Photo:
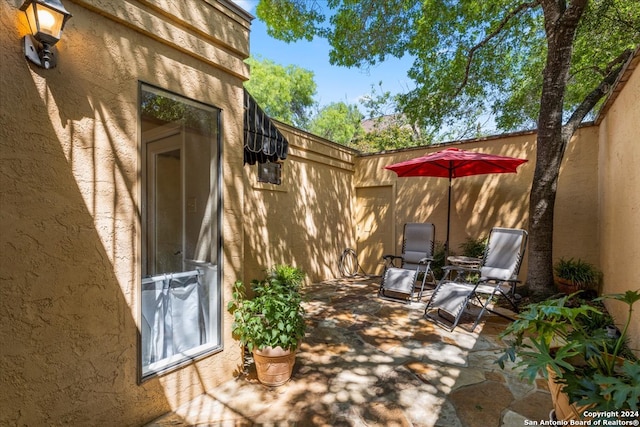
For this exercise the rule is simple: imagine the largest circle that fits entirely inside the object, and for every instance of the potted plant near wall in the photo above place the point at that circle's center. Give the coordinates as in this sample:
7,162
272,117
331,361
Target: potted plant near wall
572,275
590,371
474,248
271,324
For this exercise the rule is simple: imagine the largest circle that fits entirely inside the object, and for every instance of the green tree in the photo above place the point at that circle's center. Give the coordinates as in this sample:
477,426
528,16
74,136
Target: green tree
284,93
338,122
391,137
387,128
542,63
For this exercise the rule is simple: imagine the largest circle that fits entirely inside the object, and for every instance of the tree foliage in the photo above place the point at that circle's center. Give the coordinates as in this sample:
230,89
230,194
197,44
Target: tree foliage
285,93
538,63
338,122
390,137
466,54
387,128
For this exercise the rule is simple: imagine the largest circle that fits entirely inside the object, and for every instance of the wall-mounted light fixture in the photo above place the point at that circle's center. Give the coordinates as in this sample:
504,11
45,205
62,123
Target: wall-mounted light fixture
46,20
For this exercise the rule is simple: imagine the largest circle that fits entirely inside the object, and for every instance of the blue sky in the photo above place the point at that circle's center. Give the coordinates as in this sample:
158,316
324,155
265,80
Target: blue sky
334,84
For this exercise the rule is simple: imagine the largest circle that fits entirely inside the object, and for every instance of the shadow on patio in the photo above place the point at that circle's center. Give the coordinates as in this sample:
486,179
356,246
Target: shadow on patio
371,362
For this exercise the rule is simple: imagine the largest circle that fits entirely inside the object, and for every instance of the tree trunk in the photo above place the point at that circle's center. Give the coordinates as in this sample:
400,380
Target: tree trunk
560,27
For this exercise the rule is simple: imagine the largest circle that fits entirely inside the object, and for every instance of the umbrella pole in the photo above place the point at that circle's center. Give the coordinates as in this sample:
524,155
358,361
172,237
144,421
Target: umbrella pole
446,245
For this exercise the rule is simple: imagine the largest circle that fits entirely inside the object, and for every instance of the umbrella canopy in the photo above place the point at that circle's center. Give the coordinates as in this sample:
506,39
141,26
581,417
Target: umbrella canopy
455,163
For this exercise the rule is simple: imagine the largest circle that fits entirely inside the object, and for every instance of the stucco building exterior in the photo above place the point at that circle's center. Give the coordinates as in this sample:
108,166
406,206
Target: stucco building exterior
148,94
74,149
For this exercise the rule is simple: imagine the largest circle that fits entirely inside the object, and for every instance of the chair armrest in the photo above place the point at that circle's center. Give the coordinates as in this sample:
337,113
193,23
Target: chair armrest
487,279
390,260
425,260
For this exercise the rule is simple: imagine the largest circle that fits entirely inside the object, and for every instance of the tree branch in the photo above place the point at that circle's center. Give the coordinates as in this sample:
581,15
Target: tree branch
593,68
485,41
614,68
620,60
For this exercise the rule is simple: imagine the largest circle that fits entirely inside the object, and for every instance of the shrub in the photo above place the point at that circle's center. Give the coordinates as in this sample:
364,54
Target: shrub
274,316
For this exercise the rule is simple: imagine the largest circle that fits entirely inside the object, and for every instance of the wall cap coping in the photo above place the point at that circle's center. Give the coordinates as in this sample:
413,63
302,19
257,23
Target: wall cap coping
619,84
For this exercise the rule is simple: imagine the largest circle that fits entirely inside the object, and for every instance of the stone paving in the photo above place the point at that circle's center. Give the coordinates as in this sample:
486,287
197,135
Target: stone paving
370,362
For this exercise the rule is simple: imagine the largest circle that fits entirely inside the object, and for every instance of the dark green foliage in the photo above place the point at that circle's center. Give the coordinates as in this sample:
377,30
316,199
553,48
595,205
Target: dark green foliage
438,259
580,272
473,247
274,316
558,334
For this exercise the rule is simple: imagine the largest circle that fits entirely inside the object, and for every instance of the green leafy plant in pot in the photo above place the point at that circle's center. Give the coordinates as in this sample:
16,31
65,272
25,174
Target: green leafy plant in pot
566,341
474,247
271,324
572,275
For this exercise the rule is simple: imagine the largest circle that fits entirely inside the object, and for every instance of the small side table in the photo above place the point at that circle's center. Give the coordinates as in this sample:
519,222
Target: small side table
465,261
466,265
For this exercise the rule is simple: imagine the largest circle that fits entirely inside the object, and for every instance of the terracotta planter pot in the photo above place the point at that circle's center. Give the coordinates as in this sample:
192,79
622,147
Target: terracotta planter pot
274,365
565,286
565,411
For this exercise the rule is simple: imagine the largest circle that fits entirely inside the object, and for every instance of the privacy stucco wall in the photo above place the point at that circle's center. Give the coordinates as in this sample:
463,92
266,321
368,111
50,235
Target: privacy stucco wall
70,204
619,199
306,221
484,201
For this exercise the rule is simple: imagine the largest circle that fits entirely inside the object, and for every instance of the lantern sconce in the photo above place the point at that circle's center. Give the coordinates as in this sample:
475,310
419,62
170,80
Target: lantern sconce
47,19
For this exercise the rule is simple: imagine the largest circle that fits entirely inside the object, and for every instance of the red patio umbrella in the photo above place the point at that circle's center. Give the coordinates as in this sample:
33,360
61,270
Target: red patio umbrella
455,163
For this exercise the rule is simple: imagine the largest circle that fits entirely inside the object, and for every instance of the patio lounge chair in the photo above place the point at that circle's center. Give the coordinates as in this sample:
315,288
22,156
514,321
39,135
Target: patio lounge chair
406,273
498,273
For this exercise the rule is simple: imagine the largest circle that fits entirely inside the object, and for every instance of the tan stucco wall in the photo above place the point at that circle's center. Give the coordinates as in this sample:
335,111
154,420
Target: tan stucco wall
306,221
70,204
481,202
576,221
619,201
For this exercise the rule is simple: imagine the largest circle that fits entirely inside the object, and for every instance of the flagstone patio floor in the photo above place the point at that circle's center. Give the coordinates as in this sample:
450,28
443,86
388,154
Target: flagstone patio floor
371,362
